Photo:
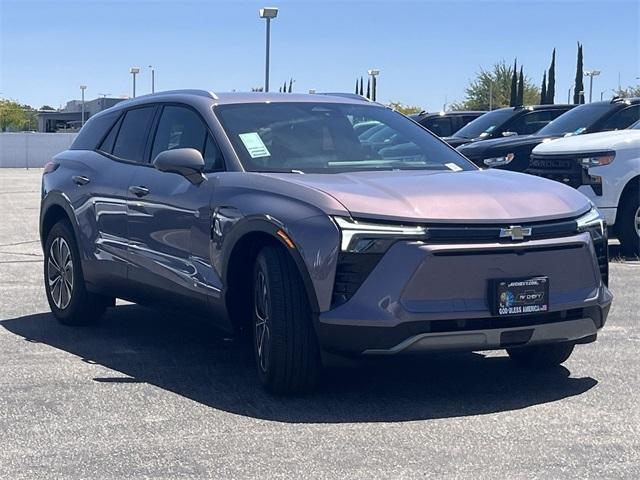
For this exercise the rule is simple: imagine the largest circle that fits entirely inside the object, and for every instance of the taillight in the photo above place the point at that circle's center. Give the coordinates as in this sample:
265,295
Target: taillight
50,167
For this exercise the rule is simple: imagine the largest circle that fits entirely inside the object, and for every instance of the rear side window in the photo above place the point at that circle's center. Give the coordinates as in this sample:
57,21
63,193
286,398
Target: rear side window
623,118
94,130
132,136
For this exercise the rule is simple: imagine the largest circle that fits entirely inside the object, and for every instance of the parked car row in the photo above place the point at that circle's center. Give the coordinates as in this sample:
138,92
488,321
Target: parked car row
614,189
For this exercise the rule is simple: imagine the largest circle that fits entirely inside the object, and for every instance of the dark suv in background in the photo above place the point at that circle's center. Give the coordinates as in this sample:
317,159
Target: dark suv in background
445,124
514,153
268,214
507,122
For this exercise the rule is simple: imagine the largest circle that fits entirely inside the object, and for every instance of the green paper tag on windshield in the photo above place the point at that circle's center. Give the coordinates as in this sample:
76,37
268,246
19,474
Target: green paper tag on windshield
254,145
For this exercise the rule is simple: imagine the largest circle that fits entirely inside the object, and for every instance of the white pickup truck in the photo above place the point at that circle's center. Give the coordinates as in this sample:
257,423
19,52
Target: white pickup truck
606,168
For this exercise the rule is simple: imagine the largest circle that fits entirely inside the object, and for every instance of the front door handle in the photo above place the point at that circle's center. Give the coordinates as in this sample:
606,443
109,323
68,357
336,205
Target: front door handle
80,179
139,191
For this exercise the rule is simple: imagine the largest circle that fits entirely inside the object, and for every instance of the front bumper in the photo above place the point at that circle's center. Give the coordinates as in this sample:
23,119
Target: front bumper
423,297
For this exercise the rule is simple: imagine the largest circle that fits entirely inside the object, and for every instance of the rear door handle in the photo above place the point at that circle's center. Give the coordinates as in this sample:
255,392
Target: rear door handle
139,191
80,179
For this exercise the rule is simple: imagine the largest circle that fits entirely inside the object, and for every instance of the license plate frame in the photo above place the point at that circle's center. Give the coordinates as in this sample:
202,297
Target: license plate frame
519,296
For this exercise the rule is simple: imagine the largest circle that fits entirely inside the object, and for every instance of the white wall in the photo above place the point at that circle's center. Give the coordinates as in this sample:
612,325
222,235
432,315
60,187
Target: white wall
30,149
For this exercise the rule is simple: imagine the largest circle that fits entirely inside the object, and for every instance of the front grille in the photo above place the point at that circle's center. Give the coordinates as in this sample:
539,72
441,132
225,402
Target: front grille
601,246
561,168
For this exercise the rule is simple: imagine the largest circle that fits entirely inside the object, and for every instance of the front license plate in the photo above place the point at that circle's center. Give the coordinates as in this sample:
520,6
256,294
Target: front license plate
520,296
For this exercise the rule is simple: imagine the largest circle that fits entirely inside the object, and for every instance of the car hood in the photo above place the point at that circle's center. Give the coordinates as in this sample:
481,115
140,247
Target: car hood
501,144
617,140
477,196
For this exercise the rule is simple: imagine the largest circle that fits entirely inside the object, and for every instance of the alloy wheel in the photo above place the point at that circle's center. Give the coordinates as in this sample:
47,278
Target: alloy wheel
262,333
637,221
60,273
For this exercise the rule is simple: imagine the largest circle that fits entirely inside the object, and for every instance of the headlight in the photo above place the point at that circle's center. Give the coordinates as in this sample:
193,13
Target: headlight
593,223
497,161
364,237
597,160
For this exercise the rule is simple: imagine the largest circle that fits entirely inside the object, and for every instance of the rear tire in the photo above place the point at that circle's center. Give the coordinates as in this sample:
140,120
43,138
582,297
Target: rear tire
628,222
69,300
541,356
284,342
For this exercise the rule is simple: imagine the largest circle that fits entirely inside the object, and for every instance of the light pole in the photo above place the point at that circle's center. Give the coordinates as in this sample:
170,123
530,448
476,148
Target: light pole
153,79
268,13
591,74
134,71
373,72
82,89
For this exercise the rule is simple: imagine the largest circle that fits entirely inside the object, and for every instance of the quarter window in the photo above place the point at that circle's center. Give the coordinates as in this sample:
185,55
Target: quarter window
132,136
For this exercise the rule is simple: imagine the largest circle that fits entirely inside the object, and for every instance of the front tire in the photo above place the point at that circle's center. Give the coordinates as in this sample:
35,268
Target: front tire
541,356
284,342
628,223
69,300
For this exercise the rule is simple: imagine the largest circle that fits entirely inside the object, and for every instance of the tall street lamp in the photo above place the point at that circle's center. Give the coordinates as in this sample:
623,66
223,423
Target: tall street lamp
373,72
153,79
268,13
82,89
591,74
134,71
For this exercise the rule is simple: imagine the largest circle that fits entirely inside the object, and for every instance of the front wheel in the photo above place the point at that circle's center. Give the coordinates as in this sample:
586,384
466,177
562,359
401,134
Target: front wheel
68,298
541,356
284,342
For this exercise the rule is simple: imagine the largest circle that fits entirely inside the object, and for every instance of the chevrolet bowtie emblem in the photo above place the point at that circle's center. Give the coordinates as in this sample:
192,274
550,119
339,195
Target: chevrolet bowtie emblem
515,232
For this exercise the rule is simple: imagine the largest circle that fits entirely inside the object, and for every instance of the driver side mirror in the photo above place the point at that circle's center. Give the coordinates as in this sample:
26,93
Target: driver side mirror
187,162
509,134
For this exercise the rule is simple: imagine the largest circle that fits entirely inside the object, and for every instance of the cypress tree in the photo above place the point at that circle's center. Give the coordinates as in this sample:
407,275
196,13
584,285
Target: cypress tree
373,88
284,87
361,87
579,86
521,88
356,92
514,86
551,80
544,99
290,85
369,88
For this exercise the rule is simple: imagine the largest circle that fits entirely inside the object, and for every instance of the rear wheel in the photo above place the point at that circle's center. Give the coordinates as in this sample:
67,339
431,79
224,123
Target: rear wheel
628,222
68,297
541,356
284,342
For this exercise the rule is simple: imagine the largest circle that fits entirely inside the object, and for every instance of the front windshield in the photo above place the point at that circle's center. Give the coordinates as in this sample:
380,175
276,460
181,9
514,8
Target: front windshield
635,126
576,120
485,124
307,137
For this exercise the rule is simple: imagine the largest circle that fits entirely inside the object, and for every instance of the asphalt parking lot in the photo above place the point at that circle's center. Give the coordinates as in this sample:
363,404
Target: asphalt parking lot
153,394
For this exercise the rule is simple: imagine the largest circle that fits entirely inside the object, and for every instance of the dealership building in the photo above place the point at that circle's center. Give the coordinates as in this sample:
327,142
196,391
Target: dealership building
69,119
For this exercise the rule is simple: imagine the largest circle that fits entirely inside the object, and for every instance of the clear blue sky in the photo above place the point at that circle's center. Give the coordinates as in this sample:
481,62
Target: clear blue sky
426,50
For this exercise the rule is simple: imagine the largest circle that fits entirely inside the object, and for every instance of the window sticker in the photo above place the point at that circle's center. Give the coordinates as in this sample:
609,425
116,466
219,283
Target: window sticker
254,145
453,166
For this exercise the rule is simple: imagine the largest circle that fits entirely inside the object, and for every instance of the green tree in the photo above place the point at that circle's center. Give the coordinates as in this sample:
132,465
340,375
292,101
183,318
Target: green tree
514,85
578,90
551,81
368,88
46,107
521,88
404,109
290,85
361,86
543,89
628,92
356,85
496,80
11,115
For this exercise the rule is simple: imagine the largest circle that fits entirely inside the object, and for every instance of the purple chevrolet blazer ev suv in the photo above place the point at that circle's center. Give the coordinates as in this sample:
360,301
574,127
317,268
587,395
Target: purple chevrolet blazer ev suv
278,218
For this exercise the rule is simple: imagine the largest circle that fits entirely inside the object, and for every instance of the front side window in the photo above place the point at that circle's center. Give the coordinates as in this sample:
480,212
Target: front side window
132,135
320,138
441,126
